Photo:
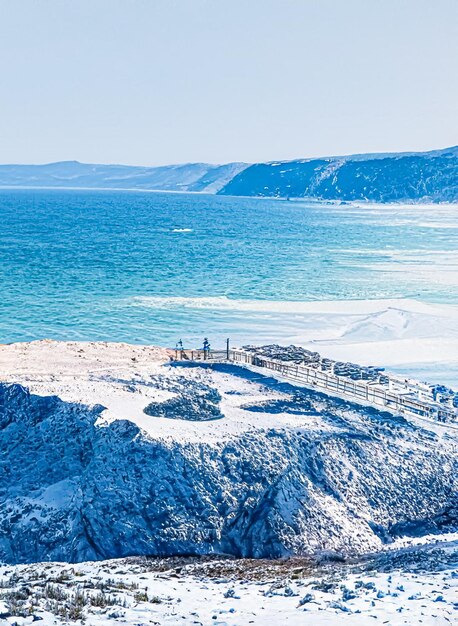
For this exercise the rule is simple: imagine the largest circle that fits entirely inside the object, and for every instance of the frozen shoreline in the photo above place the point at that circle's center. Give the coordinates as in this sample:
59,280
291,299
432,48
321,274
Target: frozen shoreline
410,337
415,338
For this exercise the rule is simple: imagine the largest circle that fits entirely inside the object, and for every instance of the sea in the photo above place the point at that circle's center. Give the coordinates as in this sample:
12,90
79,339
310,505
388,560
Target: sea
150,267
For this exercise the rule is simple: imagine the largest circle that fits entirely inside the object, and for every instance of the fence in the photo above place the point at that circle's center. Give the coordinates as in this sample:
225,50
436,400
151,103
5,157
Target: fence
202,355
358,391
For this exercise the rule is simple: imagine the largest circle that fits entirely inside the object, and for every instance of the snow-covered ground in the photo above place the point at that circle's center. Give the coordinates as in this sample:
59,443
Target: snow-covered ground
396,588
124,379
135,456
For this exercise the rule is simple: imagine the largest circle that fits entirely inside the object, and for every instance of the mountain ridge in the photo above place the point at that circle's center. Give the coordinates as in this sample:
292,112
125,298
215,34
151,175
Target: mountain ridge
393,177
182,177
376,177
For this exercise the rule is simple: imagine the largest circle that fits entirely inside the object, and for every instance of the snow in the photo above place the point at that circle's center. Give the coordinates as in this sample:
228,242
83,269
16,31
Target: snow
418,589
101,471
86,475
75,373
58,495
385,333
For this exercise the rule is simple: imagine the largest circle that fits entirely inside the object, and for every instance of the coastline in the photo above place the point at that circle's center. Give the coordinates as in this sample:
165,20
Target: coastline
411,337
406,334
420,203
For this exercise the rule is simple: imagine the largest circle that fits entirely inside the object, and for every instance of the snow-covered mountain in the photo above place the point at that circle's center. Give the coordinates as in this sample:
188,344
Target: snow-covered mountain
421,176
187,177
108,451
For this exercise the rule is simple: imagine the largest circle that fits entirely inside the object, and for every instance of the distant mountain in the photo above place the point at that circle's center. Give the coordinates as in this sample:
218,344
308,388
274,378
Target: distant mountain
411,176
417,176
187,177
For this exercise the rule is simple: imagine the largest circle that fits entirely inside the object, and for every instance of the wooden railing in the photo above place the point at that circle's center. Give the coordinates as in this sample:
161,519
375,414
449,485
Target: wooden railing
201,355
311,377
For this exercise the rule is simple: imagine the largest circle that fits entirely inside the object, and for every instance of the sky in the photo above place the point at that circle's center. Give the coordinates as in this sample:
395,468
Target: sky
153,82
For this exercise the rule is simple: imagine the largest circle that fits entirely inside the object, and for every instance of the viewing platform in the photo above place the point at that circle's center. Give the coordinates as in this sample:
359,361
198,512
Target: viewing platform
369,386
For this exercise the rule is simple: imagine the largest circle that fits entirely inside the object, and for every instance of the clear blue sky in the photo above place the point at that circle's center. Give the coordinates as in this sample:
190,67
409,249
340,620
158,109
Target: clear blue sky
165,81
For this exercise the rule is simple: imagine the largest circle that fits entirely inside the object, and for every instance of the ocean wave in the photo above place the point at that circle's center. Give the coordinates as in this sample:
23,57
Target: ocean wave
337,307
445,273
396,252
182,230
452,225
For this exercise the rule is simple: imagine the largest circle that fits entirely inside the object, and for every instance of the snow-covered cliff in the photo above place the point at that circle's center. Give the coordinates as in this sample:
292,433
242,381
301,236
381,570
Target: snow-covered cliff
415,177
91,475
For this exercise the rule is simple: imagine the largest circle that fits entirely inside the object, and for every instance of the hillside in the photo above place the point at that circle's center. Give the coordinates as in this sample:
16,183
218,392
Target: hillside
407,584
187,177
427,176
109,452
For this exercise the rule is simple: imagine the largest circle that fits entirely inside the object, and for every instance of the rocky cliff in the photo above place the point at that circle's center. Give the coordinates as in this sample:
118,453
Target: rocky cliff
275,471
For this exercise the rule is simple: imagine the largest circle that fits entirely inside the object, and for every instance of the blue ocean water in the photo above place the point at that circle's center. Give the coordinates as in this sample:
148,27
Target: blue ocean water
153,267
